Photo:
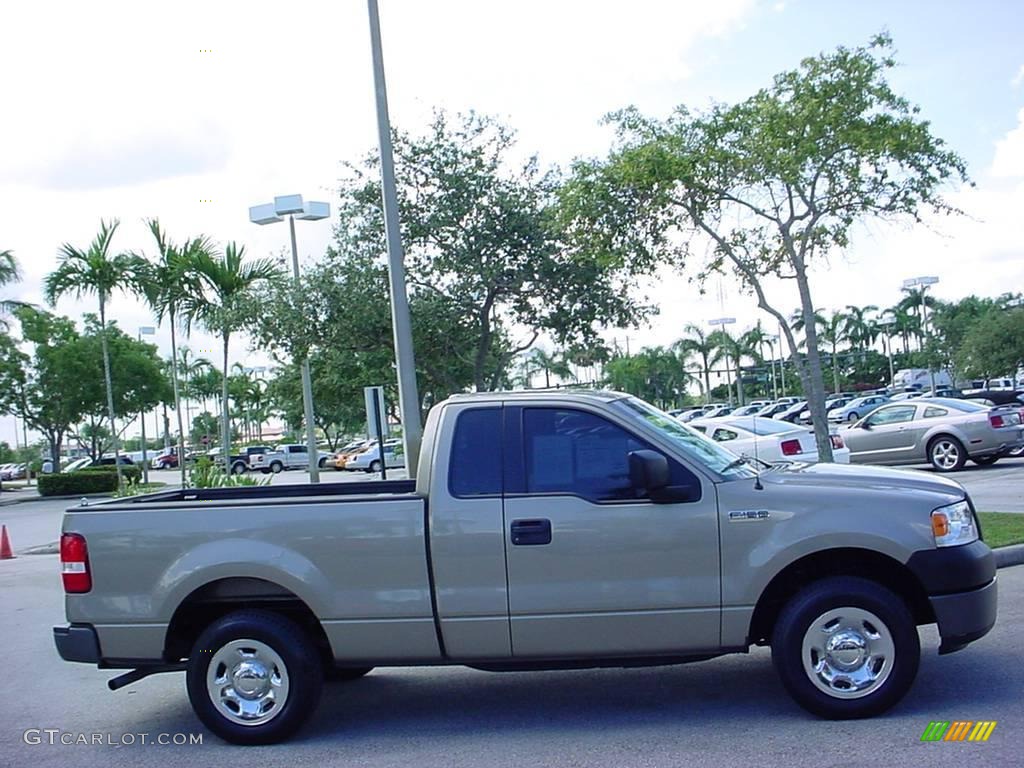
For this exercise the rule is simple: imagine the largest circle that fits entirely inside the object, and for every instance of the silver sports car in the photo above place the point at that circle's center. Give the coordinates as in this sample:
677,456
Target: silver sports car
943,432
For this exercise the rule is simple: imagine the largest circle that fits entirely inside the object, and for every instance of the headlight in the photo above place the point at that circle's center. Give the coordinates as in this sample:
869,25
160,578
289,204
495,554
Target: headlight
954,525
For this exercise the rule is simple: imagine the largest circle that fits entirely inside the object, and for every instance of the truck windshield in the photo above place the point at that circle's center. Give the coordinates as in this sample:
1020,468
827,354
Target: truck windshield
694,445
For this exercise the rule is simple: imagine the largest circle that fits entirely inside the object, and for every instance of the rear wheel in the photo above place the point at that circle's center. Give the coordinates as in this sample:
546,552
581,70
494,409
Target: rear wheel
253,677
985,461
947,454
846,647
238,468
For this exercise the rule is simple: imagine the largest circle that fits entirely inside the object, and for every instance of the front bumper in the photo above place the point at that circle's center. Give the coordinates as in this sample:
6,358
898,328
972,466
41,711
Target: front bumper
962,589
965,616
77,642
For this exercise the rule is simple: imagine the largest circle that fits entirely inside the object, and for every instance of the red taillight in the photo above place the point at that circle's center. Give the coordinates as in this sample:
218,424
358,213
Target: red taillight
995,420
791,447
74,563
837,441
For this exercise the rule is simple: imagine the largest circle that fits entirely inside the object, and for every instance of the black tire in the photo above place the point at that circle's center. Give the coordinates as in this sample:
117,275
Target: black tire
375,466
238,468
302,667
341,674
276,467
852,417
322,463
844,593
944,447
1015,452
986,461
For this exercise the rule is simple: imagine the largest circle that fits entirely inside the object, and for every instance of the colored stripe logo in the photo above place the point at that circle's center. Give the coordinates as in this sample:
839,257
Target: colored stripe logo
958,730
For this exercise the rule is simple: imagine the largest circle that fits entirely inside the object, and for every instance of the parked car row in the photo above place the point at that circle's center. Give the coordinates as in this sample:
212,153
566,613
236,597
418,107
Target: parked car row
365,455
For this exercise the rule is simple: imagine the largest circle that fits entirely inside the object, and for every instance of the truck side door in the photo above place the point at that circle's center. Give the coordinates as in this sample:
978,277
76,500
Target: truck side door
594,568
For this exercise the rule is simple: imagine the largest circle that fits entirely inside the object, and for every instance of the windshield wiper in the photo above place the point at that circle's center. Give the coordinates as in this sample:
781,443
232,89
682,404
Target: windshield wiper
735,463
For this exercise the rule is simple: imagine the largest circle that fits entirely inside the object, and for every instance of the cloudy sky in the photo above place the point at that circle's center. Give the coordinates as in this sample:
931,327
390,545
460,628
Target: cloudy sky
193,111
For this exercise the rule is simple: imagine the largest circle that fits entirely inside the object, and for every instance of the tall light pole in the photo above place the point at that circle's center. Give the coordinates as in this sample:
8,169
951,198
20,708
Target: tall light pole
724,321
145,330
886,324
408,397
923,283
271,213
771,347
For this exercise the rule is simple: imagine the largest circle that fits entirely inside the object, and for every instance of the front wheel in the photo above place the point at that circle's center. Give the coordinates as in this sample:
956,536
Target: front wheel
846,647
852,417
253,677
947,454
276,467
374,466
322,463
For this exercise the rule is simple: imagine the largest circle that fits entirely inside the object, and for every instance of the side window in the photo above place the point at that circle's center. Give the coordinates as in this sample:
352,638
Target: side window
476,460
575,452
700,428
298,449
723,435
897,415
931,412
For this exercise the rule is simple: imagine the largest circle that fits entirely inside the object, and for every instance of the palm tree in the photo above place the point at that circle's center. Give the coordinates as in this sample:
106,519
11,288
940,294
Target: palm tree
911,303
96,271
10,272
223,306
733,349
861,330
165,283
698,343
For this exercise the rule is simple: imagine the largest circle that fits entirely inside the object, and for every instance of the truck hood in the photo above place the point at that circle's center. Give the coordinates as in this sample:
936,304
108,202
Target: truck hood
835,478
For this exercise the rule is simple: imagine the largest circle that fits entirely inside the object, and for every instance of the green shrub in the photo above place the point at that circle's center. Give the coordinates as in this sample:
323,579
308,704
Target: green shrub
75,483
130,472
205,474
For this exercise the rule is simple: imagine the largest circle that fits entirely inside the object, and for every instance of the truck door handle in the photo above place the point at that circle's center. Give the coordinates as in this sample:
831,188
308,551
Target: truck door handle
531,532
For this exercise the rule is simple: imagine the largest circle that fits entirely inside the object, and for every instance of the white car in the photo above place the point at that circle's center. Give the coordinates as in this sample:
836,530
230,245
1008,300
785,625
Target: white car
769,440
369,460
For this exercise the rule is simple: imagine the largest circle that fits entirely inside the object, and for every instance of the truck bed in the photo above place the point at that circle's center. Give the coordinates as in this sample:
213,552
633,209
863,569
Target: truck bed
355,554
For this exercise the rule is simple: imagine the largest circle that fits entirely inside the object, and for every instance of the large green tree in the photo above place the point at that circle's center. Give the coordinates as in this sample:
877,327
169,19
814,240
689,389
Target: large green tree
52,387
774,183
483,238
994,345
96,270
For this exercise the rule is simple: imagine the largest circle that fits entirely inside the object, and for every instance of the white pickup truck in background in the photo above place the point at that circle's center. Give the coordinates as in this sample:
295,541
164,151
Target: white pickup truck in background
288,456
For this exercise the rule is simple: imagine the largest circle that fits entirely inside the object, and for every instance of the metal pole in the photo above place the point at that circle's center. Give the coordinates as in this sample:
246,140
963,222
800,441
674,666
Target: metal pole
924,335
142,421
307,382
408,397
379,426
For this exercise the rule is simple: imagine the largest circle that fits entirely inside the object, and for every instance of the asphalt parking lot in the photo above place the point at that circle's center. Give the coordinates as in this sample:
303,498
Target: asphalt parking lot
730,711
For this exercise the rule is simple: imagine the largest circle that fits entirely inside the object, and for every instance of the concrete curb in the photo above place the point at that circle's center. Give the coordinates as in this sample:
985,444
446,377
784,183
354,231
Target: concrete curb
1008,556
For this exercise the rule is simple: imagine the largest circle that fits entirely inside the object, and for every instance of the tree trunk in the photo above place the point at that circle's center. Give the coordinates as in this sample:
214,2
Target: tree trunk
835,369
110,387
226,431
810,374
177,403
707,380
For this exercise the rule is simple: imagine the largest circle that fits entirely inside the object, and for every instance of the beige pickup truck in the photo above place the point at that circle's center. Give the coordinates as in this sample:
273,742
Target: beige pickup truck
543,530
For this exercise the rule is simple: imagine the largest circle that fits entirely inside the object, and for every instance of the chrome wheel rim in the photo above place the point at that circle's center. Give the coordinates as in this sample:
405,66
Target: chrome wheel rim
247,682
848,652
946,454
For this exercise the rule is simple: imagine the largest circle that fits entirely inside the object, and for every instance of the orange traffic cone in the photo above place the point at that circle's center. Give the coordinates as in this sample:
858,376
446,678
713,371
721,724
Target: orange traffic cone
5,545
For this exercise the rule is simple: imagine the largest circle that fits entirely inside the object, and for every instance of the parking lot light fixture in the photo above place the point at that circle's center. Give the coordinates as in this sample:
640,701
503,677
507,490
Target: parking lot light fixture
145,330
294,207
923,283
